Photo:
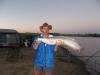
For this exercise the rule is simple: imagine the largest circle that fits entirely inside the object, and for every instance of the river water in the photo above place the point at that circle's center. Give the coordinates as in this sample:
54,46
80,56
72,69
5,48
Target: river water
91,53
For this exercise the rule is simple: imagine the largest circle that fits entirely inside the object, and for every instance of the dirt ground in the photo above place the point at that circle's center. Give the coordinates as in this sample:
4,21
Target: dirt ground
24,66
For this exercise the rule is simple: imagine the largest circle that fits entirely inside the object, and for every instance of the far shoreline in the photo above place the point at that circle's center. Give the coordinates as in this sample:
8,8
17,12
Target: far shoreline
60,34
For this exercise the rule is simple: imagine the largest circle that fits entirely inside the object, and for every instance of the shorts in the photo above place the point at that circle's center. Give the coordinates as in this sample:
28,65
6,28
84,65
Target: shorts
43,69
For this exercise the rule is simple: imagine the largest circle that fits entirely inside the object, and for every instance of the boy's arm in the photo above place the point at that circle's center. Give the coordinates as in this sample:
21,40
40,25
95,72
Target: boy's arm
35,46
56,48
58,44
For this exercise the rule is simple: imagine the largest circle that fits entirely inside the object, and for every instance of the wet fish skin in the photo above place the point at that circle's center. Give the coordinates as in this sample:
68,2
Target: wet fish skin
72,43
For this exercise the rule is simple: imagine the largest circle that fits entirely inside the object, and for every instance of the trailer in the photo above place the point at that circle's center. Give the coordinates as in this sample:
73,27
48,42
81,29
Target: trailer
10,43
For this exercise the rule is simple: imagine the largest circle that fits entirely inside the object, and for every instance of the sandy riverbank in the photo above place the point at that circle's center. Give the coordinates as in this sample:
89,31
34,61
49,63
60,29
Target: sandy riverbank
25,65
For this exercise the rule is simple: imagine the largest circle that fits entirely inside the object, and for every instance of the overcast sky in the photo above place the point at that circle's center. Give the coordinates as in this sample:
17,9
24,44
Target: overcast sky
66,16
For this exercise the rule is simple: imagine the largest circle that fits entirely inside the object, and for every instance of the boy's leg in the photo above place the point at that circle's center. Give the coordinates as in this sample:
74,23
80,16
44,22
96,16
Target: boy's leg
48,71
38,73
48,74
37,70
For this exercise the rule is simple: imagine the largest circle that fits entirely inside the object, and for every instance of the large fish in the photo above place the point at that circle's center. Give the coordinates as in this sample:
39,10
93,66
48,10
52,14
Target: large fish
72,43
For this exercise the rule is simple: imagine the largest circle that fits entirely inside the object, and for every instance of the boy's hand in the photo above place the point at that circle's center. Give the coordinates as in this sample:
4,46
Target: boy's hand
38,42
58,43
35,46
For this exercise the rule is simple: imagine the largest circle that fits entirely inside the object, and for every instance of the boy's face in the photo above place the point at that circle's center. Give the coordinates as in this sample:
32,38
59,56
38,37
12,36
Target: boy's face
45,30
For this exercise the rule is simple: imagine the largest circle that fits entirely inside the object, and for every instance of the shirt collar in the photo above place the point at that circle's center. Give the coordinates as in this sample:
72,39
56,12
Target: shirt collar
48,35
